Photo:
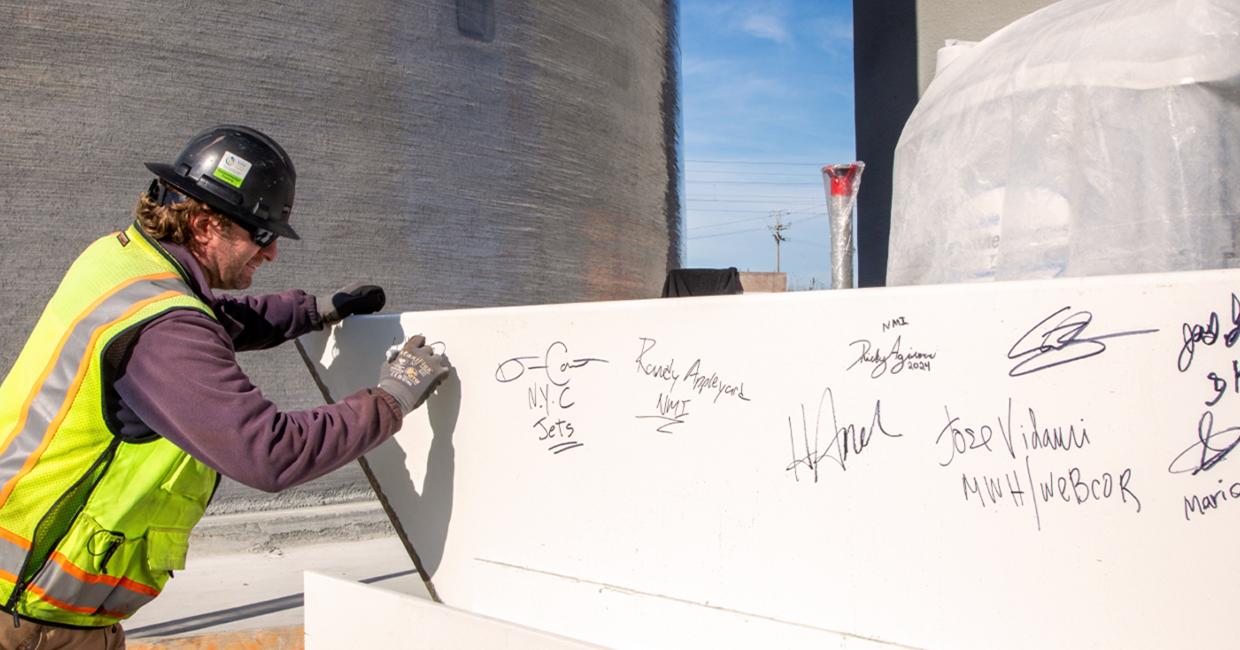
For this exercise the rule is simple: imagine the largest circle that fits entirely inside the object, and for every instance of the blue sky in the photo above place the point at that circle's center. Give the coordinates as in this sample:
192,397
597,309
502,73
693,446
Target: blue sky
768,100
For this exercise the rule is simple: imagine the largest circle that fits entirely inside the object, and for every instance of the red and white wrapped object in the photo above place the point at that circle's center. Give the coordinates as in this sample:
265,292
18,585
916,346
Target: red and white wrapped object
842,182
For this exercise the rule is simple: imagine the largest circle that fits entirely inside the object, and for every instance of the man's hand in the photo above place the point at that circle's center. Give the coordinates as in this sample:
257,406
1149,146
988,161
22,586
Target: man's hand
356,298
412,372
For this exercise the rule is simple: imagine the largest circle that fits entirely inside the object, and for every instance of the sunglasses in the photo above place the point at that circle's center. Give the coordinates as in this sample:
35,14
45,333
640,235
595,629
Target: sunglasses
261,236
163,195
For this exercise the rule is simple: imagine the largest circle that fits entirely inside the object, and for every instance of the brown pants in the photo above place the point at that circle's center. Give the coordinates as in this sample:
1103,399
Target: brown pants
32,636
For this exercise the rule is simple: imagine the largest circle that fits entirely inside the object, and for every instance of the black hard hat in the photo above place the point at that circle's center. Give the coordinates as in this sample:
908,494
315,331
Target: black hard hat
239,172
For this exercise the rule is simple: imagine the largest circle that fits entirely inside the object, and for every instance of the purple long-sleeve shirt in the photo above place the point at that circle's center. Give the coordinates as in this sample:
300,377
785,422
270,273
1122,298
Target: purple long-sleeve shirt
178,377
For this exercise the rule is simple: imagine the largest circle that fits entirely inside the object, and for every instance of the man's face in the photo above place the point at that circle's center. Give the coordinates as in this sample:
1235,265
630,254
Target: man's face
229,255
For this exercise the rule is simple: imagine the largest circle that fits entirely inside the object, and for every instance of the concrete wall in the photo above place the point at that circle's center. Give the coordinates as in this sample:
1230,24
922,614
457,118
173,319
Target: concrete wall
895,43
764,282
458,152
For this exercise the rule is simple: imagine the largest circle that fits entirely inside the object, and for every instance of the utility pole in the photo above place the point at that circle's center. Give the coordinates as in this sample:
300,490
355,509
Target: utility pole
777,231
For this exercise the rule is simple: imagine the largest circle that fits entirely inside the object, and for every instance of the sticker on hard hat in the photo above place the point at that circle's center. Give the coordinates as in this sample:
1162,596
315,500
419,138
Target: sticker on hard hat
232,169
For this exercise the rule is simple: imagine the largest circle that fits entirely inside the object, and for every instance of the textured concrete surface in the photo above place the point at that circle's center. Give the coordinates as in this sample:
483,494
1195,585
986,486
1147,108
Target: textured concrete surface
265,530
519,152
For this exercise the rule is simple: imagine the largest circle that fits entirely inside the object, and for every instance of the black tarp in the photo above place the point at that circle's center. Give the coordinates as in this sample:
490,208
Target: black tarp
702,282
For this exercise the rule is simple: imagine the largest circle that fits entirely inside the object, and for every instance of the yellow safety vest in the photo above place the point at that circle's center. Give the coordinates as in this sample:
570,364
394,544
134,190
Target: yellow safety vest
91,526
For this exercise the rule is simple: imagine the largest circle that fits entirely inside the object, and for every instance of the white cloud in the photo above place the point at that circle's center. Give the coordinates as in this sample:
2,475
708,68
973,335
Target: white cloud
832,35
748,86
692,65
766,26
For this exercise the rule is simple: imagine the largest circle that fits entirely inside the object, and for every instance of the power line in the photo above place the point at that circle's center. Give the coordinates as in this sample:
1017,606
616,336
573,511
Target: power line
728,223
753,198
714,210
748,230
725,234
803,243
752,183
735,173
766,216
761,201
799,196
808,219
802,210
750,162
814,207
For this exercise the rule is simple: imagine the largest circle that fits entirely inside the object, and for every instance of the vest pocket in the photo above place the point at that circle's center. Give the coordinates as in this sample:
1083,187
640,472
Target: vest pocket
102,545
162,550
167,541
166,548
190,479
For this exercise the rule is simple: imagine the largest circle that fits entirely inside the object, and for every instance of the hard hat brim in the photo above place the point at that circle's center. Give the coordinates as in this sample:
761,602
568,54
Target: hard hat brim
185,185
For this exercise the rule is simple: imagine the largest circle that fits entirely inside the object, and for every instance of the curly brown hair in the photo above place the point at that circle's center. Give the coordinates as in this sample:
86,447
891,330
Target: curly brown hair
171,221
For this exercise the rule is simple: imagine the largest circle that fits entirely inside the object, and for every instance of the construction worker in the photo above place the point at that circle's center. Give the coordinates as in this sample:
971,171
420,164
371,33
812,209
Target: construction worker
127,404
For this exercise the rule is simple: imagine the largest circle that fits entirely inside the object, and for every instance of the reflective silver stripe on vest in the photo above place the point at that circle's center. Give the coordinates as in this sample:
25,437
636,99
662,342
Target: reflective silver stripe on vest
53,395
11,557
85,597
93,595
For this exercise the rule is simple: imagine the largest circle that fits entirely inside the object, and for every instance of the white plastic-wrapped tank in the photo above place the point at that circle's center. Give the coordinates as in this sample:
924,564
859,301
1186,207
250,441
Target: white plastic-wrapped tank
1090,137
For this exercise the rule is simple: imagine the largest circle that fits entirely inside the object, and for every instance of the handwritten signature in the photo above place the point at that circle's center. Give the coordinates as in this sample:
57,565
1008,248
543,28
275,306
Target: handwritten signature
555,362
882,362
1211,448
1219,384
849,440
1054,342
671,412
1206,334
978,437
695,376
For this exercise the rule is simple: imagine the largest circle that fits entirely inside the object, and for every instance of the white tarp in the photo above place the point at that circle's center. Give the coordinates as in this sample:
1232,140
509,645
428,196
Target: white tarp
1091,137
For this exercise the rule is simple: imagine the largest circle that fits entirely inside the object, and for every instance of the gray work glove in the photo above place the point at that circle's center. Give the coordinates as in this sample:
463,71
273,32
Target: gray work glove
357,298
412,372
